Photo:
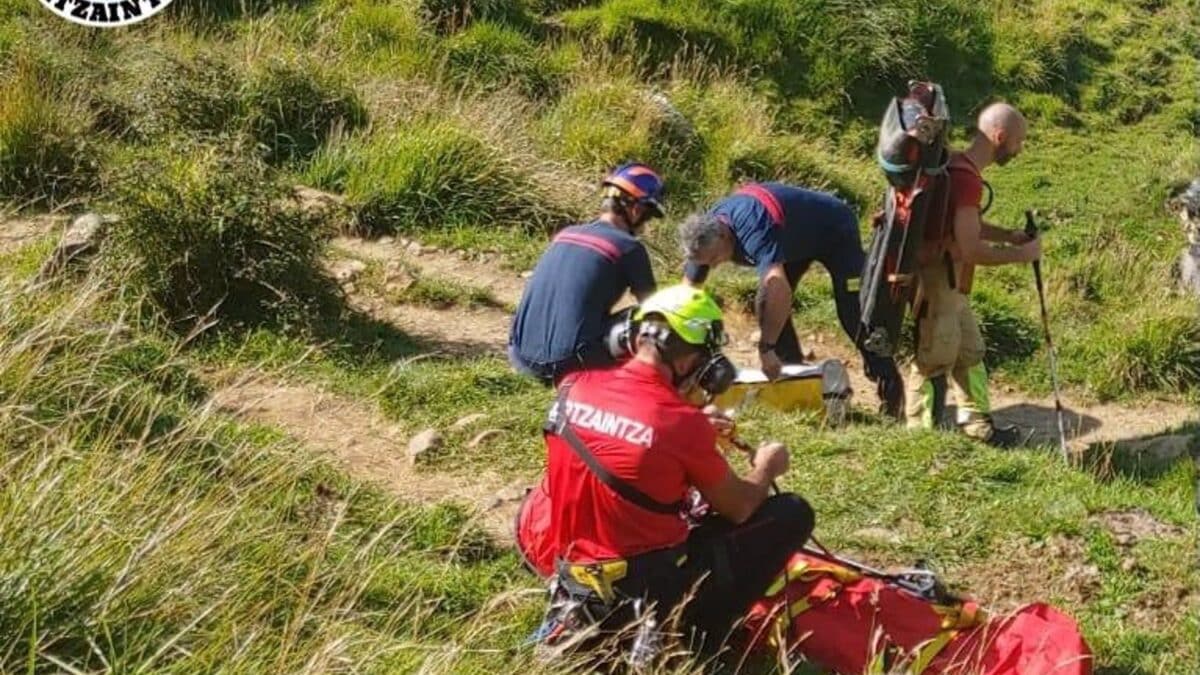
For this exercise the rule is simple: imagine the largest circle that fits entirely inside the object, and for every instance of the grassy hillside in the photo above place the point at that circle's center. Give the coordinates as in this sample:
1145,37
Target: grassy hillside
144,530
486,123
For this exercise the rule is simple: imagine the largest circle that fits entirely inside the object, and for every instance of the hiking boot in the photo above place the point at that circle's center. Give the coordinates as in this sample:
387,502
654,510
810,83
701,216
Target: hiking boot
998,436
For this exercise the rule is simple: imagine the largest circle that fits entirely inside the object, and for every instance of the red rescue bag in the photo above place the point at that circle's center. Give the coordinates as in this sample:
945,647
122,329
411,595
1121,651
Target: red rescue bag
846,620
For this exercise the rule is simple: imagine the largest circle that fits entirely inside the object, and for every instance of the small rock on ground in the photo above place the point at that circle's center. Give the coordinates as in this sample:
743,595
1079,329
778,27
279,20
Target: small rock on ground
81,239
423,443
347,271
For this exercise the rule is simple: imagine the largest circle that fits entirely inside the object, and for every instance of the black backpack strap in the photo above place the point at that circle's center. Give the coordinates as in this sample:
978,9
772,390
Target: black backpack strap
557,424
991,194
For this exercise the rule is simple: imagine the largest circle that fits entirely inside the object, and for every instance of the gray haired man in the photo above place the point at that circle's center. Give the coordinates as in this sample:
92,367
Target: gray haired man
781,230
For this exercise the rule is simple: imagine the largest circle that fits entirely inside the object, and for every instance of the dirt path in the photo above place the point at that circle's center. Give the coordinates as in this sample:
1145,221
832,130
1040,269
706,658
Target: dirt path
373,448
463,331
504,285
16,232
367,446
486,330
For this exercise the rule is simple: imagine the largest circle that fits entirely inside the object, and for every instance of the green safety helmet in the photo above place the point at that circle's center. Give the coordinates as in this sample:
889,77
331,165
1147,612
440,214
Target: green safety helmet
691,313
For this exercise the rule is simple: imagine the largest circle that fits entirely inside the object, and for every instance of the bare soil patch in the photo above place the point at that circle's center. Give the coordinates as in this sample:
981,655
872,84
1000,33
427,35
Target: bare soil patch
367,446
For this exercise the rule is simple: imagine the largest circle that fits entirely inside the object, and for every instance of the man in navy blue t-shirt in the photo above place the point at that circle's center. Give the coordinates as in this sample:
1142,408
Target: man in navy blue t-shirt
780,230
566,309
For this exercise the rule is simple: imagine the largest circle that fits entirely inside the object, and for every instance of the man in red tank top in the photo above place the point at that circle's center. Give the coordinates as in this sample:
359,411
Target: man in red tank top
949,342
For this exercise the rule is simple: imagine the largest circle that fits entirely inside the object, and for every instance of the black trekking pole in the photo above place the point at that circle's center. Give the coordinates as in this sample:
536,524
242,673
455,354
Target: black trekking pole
1031,230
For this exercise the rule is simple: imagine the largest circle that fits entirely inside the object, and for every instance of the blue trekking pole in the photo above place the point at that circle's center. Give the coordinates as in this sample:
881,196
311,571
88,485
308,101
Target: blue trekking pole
1031,230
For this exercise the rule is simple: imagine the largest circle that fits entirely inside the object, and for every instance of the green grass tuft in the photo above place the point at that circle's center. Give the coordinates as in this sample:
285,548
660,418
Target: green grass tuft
291,108
1146,351
433,174
1009,332
167,90
46,151
492,55
444,294
599,125
655,33
449,16
390,36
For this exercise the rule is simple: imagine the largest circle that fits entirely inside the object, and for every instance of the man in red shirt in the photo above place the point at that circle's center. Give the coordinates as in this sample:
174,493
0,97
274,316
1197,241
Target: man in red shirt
625,449
948,338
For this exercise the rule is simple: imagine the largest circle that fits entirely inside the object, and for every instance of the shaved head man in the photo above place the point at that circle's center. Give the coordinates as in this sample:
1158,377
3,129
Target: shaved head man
1004,128
950,345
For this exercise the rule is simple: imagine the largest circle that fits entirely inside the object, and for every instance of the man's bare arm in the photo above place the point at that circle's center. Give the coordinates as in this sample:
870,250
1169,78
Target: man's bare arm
773,303
1003,235
970,235
737,498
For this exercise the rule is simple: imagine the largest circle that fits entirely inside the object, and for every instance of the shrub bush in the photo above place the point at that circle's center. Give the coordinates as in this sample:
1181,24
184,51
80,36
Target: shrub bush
433,174
291,108
207,234
160,92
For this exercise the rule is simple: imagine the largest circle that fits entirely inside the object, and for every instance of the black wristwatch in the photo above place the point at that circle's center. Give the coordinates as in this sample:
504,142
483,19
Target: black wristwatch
764,347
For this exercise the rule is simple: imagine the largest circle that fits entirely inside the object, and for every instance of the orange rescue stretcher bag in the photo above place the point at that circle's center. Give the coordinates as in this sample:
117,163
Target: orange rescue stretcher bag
852,620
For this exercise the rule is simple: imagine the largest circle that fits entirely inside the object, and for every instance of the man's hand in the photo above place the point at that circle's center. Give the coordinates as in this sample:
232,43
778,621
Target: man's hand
772,460
1019,237
736,498
720,421
771,364
1030,250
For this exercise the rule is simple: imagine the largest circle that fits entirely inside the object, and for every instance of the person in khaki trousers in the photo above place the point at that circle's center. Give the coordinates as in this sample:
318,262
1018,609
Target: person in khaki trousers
950,345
